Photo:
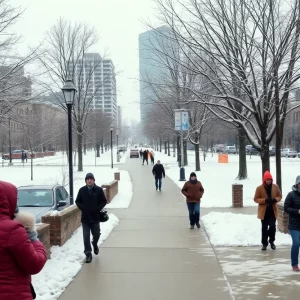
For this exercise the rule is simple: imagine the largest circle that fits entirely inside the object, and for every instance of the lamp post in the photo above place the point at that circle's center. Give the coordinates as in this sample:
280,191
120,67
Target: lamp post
118,154
69,91
9,138
111,145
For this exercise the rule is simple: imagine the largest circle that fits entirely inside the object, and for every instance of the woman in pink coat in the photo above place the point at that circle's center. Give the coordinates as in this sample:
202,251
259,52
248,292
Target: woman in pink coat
21,253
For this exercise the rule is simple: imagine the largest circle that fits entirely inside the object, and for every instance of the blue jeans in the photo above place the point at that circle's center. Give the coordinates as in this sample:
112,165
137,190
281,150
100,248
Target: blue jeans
295,234
158,182
194,212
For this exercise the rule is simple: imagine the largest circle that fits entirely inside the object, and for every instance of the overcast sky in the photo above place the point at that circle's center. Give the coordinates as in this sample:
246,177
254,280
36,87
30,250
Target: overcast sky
118,22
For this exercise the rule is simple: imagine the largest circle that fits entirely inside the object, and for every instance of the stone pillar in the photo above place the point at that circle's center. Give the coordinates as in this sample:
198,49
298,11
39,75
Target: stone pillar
237,195
283,219
117,176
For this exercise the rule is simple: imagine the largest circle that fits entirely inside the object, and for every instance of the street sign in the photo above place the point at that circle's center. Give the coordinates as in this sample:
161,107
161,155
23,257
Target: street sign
182,120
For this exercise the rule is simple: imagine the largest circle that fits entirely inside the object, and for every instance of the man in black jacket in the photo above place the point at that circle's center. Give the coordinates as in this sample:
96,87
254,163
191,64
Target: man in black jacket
158,172
292,207
90,200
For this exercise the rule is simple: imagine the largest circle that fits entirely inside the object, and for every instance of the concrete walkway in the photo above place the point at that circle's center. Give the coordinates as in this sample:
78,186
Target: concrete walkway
152,254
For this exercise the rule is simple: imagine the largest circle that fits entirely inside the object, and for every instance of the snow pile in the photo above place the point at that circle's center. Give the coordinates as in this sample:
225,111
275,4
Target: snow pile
229,229
65,263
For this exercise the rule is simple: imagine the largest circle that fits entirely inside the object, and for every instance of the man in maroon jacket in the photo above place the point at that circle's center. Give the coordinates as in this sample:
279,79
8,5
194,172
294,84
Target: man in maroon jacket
22,254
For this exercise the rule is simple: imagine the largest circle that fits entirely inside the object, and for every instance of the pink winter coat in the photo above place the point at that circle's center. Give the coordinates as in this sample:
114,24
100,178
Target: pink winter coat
19,257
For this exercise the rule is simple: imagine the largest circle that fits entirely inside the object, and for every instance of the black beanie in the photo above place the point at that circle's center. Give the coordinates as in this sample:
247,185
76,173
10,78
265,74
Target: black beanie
89,175
193,174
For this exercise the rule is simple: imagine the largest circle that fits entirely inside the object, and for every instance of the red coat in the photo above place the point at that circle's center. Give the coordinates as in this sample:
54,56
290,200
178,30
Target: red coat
20,258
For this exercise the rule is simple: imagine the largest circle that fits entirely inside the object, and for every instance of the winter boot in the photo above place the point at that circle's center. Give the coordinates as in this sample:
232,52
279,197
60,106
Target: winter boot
89,258
264,248
296,268
96,248
198,225
273,247
192,226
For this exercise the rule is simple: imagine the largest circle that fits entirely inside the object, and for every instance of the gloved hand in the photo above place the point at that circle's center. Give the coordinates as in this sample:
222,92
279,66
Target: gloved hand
32,235
274,200
268,200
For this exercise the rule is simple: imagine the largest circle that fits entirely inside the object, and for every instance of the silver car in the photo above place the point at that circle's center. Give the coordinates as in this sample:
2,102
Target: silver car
40,199
288,152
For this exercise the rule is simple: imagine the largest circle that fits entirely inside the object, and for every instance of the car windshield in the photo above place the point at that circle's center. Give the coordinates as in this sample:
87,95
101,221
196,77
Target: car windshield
35,198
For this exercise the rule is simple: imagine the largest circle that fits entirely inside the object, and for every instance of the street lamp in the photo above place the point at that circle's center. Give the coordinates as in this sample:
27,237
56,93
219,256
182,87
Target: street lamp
69,91
118,154
111,145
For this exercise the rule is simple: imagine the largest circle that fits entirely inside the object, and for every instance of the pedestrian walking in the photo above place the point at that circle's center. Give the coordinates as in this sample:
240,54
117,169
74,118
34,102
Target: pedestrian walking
141,153
267,195
152,156
193,191
90,200
158,172
145,156
292,207
21,252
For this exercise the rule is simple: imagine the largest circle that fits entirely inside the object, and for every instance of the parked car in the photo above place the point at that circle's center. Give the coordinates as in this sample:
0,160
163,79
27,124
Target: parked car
272,150
122,149
251,150
15,154
230,150
40,199
288,152
134,153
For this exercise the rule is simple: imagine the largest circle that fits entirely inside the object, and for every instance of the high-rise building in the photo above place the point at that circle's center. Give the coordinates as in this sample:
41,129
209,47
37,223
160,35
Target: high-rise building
97,77
152,46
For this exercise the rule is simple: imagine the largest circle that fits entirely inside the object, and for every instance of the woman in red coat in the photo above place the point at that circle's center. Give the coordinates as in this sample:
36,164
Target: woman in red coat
21,253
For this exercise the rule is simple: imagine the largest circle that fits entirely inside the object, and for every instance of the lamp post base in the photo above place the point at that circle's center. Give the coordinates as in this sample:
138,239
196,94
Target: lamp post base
118,157
182,174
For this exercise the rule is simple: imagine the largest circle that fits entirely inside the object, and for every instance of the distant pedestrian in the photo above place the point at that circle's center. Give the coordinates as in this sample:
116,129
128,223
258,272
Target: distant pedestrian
141,153
145,156
267,195
292,207
152,157
158,172
90,200
25,156
193,191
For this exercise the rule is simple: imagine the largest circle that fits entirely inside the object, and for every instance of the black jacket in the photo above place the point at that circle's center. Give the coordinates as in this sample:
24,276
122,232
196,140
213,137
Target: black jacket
292,207
158,171
91,203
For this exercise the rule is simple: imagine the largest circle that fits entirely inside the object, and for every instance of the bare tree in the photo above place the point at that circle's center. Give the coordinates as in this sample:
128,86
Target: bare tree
66,56
251,48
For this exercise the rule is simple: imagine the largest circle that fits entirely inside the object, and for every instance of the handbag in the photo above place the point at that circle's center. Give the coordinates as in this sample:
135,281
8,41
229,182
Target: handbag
103,216
32,291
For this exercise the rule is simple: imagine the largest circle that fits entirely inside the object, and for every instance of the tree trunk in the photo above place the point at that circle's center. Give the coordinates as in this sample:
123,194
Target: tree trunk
102,146
185,158
79,146
169,154
278,137
84,146
242,155
265,158
98,149
197,157
174,142
160,145
165,142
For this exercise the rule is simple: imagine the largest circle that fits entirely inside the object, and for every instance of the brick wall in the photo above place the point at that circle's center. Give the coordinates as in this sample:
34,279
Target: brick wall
63,226
117,176
237,195
43,231
283,219
111,190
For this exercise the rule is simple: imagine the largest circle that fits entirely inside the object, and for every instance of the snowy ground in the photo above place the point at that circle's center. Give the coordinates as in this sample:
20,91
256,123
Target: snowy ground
229,229
66,261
